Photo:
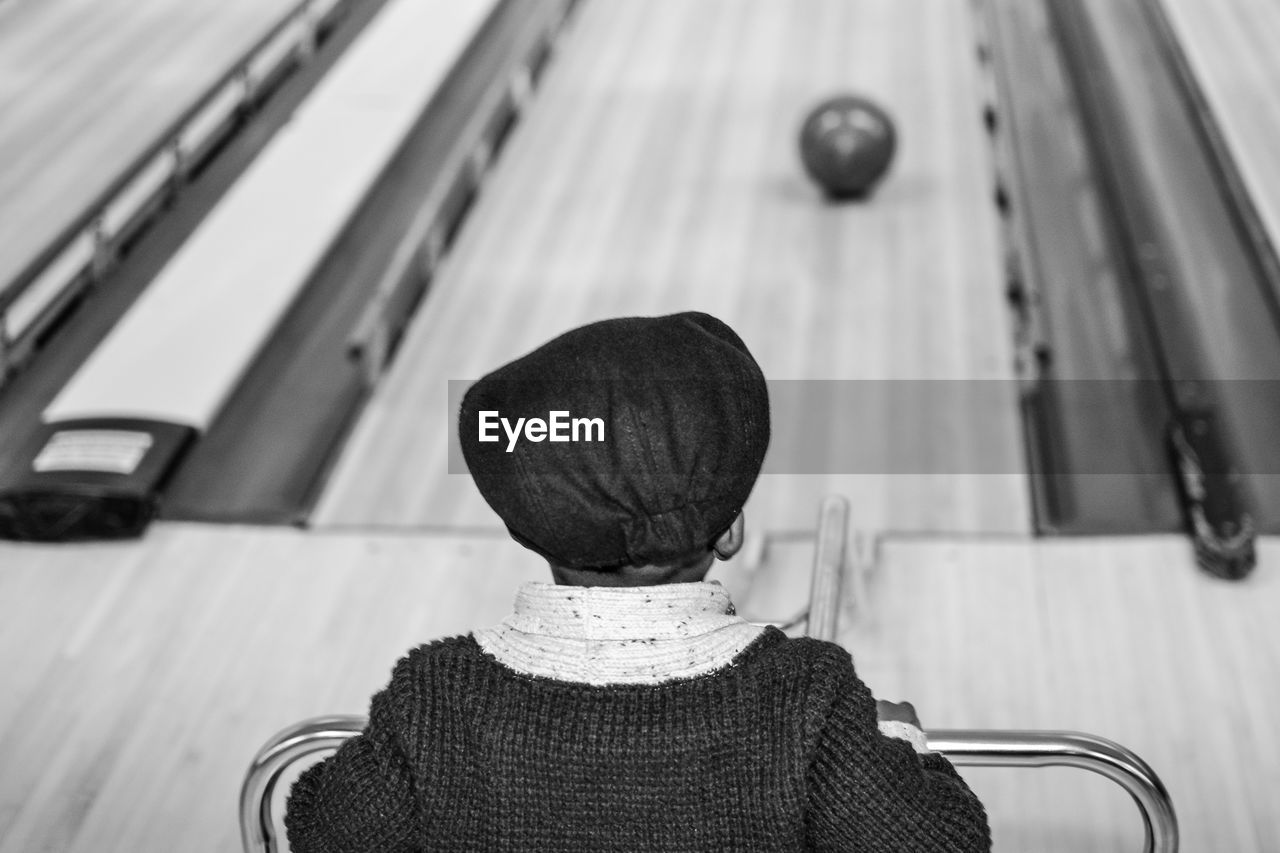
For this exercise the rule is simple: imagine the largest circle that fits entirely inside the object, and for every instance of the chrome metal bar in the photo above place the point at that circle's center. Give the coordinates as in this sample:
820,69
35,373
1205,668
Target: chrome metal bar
982,748
828,568
257,826
963,747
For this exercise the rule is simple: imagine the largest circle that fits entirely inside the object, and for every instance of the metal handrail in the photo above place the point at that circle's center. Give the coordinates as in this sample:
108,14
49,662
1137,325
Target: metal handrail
290,745
963,747
829,560
1001,748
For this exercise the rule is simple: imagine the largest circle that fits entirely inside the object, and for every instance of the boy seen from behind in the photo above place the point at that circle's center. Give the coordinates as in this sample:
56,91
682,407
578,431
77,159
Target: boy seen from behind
625,706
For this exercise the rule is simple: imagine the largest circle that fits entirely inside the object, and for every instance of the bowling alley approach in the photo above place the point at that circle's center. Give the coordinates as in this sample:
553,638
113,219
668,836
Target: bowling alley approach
870,403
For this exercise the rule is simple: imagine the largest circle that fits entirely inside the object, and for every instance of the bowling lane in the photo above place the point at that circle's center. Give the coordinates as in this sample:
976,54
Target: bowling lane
657,171
86,86
1231,46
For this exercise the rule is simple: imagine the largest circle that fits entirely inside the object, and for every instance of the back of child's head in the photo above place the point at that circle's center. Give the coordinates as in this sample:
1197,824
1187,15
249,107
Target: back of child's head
627,442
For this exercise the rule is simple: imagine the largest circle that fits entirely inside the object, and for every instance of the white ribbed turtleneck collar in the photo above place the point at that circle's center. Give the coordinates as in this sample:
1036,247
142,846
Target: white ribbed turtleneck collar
619,635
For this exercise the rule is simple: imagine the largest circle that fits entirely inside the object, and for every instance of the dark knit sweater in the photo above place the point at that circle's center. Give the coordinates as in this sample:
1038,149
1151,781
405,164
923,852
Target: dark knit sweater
779,751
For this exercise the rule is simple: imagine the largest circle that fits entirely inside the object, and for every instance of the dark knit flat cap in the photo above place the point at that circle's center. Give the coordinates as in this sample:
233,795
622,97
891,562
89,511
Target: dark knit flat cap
641,440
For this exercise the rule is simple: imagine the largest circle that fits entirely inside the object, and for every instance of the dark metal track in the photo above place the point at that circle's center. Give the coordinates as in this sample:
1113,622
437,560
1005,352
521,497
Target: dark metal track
1094,413
1195,278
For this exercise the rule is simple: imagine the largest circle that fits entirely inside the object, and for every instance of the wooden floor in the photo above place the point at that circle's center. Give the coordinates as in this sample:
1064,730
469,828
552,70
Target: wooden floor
657,171
1231,46
1119,637
86,86
141,677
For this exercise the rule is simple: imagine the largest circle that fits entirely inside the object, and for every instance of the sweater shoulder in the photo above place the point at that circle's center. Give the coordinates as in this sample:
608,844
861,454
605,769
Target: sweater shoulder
773,656
815,652
820,659
446,651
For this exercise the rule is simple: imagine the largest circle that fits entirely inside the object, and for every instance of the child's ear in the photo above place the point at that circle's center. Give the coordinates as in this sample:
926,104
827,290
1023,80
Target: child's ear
730,542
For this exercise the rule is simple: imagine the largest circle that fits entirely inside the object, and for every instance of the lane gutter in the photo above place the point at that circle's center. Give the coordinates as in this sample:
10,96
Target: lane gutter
1148,173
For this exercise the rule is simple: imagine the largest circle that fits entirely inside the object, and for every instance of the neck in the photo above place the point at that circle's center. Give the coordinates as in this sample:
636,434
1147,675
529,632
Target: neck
634,575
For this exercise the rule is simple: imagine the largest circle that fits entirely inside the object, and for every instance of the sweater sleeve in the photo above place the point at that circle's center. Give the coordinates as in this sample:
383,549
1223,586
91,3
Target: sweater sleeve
362,797
875,793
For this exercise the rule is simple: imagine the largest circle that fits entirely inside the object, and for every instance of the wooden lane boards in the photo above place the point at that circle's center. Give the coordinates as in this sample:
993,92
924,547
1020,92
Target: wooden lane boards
142,676
1120,637
1230,49
657,171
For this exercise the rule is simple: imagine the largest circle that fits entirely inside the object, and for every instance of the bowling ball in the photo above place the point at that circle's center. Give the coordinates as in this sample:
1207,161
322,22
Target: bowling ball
846,145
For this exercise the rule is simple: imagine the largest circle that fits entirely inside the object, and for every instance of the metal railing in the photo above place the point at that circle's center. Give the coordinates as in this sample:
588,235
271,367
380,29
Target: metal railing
971,748
995,748
287,748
